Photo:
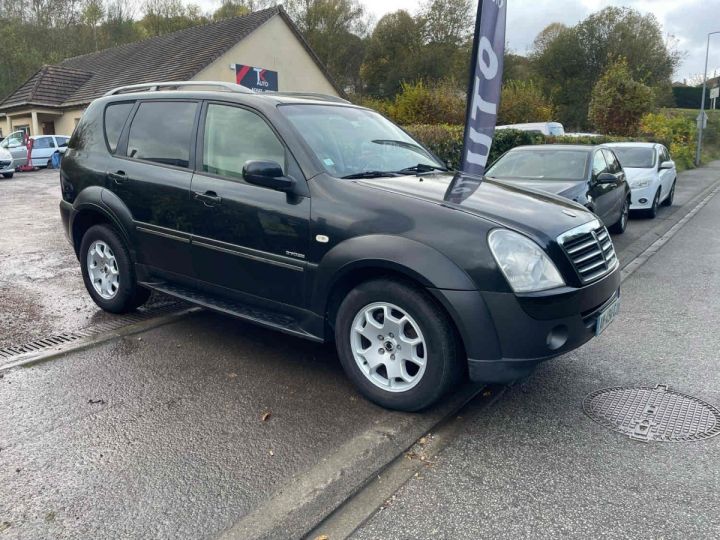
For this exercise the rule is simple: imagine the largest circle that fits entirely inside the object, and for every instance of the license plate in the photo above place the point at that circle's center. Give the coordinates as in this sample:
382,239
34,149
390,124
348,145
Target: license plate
606,316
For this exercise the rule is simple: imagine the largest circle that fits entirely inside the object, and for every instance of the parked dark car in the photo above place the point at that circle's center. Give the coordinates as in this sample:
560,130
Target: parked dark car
589,175
326,221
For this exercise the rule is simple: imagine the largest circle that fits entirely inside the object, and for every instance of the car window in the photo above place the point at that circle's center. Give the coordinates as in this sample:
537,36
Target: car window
599,163
613,165
233,136
43,143
636,157
664,154
161,131
62,142
542,164
115,116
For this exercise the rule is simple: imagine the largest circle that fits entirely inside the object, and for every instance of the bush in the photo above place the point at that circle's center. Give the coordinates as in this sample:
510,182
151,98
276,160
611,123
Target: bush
674,130
523,101
617,102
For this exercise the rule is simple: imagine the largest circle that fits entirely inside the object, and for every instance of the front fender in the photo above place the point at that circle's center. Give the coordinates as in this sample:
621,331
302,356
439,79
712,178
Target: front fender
414,259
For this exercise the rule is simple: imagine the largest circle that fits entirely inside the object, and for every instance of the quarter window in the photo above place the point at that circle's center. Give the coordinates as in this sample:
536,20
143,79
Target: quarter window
233,136
161,131
115,116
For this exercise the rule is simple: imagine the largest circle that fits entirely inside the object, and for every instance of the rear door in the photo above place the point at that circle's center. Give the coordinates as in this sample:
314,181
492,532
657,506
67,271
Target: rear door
151,171
247,238
43,148
619,192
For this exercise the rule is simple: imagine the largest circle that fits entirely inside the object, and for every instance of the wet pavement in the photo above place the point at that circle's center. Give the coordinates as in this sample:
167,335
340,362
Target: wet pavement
533,465
161,434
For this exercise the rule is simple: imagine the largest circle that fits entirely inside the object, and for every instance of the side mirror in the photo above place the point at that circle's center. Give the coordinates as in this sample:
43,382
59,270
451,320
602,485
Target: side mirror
267,174
667,165
607,178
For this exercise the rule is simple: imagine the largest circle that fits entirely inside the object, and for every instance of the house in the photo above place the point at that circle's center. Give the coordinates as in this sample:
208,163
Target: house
263,50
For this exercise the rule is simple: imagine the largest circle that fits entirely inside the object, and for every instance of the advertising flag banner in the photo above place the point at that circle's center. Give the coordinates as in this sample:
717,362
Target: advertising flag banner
485,84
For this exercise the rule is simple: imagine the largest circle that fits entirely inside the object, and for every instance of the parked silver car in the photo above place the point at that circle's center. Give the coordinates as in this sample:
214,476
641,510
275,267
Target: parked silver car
44,146
6,163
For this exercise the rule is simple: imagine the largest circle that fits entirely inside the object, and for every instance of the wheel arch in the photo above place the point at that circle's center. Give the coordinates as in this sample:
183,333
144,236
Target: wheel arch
94,206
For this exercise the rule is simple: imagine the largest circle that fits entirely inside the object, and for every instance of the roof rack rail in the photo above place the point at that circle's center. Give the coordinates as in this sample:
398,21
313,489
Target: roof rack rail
157,86
311,95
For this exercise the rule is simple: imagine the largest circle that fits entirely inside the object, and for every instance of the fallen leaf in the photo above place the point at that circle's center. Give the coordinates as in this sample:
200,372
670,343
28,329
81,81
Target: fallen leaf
322,537
272,453
423,441
232,375
487,393
265,416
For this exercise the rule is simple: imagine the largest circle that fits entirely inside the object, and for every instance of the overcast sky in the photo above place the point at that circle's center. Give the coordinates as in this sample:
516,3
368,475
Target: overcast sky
689,21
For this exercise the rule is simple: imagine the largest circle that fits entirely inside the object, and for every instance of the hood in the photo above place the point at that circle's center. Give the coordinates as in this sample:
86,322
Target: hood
525,210
635,172
5,154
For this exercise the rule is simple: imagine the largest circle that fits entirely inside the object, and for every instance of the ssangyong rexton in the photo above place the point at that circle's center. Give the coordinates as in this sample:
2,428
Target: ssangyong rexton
326,221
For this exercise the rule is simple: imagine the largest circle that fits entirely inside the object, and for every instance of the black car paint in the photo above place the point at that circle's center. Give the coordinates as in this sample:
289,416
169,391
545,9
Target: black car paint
261,246
605,199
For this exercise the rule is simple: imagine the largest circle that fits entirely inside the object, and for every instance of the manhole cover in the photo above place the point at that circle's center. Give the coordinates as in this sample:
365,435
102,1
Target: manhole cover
653,414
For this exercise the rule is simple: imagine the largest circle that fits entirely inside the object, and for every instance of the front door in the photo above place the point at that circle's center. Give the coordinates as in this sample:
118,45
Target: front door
603,194
246,238
151,173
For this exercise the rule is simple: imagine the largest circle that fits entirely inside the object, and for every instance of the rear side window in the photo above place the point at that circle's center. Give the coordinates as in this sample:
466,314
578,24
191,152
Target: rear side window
43,142
115,116
161,131
62,142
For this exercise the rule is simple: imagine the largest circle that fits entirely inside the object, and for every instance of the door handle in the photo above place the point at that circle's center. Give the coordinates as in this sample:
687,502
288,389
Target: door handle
209,198
118,177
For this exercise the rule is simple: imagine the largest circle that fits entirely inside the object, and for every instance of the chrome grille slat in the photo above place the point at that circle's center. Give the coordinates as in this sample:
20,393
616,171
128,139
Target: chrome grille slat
590,250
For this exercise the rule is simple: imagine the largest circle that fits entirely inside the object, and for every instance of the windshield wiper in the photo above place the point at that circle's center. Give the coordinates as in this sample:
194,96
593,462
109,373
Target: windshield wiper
370,174
422,168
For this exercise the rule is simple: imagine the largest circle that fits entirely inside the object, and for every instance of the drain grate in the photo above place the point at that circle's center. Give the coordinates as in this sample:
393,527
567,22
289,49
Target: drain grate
157,309
653,414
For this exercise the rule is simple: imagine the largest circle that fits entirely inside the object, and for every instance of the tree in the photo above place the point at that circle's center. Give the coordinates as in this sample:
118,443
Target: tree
92,14
165,16
449,22
392,52
229,9
334,29
569,61
523,101
618,102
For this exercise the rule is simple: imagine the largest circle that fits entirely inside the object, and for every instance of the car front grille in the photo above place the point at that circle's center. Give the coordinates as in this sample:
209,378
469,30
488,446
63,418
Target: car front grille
4,164
590,250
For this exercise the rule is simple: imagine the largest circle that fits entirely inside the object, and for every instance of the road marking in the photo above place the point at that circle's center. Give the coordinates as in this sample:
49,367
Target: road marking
653,248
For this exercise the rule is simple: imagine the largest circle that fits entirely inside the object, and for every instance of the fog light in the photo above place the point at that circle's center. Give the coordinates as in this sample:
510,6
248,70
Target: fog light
557,337
642,201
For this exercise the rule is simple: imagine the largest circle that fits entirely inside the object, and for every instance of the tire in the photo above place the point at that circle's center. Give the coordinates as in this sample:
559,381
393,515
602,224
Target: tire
671,196
621,224
439,345
653,210
48,165
8,175
126,295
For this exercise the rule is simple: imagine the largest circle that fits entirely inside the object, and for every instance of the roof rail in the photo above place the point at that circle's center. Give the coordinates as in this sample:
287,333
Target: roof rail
311,95
157,86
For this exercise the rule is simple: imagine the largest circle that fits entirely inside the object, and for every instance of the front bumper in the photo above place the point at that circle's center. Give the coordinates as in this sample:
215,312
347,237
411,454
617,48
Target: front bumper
6,166
507,335
646,194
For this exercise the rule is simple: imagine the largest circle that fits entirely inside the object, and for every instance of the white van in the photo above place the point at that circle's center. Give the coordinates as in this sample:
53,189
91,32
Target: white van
555,129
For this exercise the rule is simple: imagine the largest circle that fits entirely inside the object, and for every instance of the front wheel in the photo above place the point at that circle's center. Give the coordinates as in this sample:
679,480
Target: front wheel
108,271
621,224
671,196
8,175
653,210
397,346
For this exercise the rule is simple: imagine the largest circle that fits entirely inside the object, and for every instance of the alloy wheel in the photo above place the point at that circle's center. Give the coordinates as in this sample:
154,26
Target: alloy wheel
388,346
103,269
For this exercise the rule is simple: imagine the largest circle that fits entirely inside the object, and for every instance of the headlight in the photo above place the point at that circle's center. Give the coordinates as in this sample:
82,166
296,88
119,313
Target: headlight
526,266
640,183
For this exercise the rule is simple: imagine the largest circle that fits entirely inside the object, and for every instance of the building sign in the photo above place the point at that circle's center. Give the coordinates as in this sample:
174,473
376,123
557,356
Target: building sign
256,79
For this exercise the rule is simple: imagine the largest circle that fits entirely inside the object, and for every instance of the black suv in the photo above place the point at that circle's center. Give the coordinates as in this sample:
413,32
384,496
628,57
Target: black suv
324,220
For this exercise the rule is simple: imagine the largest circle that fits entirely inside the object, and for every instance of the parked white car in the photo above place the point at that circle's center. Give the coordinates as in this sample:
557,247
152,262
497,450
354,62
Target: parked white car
7,168
650,172
44,146
554,129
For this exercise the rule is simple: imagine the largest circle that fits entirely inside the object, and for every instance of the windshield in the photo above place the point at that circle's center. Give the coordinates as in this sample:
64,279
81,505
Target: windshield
560,164
635,156
352,142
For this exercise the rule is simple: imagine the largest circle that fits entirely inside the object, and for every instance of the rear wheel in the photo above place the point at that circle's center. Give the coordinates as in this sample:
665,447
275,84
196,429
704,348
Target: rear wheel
653,210
671,196
397,345
621,224
108,271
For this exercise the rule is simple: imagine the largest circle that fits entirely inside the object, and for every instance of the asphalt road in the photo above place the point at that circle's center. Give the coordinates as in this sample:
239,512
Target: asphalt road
160,434
533,465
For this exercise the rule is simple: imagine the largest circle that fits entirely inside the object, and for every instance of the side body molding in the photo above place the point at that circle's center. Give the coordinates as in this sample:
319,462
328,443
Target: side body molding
414,259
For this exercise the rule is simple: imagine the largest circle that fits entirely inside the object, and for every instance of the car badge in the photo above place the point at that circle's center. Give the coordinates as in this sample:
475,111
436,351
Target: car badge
569,213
